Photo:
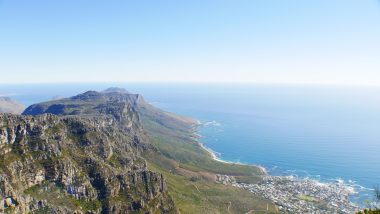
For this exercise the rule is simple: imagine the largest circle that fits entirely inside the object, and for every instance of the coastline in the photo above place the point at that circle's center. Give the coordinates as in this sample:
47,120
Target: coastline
215,157
214,154
281,189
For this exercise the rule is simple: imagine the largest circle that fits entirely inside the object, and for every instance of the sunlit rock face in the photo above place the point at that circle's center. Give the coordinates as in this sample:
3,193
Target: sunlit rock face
85,159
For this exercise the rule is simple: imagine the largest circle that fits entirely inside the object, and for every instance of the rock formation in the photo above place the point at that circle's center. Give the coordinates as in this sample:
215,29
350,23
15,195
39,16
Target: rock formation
86,158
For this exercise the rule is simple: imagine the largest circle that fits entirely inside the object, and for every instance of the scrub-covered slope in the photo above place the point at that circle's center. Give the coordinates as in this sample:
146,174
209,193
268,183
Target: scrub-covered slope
87,161
191,172
169,145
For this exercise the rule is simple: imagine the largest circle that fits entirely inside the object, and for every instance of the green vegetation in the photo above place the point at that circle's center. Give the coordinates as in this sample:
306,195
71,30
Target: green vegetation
369,211
33,189
56,195
193,157
110,160
44,210
8,158
176,140
202,196
10,210
55,129
87,205
307,198
190,170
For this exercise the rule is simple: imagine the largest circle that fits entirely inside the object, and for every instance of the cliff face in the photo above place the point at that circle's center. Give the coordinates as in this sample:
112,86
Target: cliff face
87,160
121,106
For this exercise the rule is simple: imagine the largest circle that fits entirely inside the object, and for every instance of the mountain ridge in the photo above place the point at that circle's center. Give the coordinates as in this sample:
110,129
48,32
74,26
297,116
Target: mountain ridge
89,156
8,105
130,155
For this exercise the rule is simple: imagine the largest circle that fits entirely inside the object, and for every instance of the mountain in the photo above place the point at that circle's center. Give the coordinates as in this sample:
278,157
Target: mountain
119,105
112,152
7,105
116,90
79,164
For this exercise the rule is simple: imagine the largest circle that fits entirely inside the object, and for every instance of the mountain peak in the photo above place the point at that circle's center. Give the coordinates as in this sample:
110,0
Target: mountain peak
115,90
88,95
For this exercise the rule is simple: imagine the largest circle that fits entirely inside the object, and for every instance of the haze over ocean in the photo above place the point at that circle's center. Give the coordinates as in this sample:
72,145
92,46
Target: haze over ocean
321,132
292,86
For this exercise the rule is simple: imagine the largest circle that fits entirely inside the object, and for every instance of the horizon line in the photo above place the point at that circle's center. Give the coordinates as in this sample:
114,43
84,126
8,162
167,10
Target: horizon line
198,82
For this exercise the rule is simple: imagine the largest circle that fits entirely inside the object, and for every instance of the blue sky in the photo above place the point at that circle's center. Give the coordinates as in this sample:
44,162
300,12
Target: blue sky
264,41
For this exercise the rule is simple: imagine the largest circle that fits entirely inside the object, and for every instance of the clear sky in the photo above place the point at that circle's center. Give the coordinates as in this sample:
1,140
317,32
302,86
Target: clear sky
265,41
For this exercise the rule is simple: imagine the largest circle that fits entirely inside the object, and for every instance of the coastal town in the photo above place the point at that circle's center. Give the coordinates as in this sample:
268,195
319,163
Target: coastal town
294,195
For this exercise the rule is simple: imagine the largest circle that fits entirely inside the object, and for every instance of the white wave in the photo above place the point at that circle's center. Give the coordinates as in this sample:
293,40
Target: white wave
212,123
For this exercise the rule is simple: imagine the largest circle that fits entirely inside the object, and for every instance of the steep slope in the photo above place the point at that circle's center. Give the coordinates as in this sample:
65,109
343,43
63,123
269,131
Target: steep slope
130,110
86,160
119,105
75,164
178,140
191,171
170,147
7,105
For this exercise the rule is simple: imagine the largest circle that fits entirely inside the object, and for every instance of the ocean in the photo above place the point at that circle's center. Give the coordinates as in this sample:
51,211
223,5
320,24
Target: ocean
327,133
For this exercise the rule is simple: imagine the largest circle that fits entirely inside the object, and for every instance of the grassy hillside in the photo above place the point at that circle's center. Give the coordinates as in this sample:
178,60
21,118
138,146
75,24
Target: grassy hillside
190,171
205,196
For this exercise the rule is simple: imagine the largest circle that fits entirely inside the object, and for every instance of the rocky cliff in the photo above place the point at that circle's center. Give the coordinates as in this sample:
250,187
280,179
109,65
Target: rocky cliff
84,159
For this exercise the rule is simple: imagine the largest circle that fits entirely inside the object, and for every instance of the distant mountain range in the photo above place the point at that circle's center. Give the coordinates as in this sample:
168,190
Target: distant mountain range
7,105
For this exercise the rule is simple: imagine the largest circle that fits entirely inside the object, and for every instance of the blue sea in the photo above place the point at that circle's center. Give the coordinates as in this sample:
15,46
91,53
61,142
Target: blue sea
328,133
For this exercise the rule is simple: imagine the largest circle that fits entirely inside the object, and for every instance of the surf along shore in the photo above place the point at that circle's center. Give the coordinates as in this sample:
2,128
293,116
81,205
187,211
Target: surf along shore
289,193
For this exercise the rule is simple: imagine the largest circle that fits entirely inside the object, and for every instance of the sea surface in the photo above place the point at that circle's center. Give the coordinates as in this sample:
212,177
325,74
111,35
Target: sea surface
328,133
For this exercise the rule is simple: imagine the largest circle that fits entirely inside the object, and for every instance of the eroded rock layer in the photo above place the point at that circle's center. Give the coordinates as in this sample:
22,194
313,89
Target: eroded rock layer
87,160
